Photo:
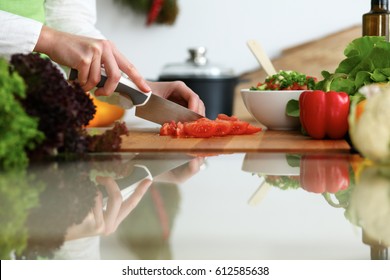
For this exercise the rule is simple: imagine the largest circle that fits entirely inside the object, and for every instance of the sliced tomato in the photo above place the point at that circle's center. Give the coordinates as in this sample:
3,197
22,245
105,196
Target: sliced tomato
180,131
168,129
225,117
251,129
296,86
204,128
201,129
222,127
203,120
239,127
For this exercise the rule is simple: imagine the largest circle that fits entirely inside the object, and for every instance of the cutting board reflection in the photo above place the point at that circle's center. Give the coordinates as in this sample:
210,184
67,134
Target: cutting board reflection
267,141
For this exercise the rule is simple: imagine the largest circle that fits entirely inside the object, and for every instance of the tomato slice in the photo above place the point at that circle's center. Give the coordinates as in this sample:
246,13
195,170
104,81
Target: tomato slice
201,129
239,127
180,131
203,120
222,127
168,129
251,129
226,117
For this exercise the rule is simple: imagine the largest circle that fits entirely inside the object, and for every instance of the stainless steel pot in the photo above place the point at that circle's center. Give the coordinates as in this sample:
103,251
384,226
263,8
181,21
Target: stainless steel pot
214,84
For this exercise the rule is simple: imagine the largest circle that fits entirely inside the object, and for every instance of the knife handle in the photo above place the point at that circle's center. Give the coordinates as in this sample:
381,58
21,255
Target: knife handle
125,87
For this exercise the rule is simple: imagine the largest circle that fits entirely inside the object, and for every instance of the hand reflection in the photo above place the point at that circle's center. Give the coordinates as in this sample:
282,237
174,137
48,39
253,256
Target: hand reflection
105,220
182,173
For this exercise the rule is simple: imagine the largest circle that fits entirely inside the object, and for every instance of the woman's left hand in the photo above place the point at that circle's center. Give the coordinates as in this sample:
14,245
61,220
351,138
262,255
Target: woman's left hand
180,93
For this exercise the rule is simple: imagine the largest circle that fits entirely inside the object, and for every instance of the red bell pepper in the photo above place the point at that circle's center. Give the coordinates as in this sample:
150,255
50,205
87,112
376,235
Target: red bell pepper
324,114
321,173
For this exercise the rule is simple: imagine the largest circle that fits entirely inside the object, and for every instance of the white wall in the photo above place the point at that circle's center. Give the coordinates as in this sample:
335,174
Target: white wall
224,26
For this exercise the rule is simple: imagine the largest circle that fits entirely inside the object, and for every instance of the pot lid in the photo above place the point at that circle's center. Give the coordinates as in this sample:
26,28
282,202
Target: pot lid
196,66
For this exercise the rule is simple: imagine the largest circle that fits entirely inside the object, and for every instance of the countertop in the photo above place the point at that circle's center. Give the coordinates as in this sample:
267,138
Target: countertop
177,205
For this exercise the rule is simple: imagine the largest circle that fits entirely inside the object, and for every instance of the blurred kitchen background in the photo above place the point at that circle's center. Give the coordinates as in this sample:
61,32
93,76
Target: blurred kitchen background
224,26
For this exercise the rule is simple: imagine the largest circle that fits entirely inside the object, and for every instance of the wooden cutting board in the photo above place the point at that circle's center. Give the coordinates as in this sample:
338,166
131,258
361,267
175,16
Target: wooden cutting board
267,141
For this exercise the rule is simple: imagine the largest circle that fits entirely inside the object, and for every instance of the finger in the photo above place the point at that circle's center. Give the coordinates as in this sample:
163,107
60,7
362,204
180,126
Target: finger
83,74
195,165
113,74
133,200
196,104
113,203
183,173
130,70
94,74
201,108
98,213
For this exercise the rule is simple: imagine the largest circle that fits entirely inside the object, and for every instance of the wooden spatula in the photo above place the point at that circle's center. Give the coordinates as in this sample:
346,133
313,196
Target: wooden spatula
261,57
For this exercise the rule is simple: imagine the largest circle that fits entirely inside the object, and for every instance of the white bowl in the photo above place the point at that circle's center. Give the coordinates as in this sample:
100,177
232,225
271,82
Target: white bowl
268,107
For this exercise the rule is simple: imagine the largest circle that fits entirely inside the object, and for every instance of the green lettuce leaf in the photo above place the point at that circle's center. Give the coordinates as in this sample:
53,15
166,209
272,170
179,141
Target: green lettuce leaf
367,61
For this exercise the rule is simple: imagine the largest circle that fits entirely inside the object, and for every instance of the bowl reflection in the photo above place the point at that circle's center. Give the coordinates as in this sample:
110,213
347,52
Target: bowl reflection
271,164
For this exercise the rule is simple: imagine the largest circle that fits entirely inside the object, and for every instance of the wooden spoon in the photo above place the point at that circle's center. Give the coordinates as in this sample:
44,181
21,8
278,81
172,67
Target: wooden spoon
259,194
261,57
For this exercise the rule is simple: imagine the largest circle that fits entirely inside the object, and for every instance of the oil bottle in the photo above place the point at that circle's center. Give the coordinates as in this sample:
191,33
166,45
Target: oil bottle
377,21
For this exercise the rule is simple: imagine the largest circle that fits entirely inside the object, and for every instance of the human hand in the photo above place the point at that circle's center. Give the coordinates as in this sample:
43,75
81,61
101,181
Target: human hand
179,93
87,55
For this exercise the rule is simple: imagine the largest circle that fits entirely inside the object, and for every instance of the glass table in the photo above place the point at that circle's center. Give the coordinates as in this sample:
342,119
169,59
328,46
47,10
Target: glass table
176,206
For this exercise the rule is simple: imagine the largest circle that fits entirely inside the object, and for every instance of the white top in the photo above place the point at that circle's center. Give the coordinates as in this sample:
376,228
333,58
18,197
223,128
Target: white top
20,35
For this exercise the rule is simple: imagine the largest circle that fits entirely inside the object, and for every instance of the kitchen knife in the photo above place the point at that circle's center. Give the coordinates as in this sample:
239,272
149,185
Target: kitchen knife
149,106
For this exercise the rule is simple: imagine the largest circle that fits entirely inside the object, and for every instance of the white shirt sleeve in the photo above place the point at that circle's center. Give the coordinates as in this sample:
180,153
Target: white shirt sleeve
17,34
20,35
73,16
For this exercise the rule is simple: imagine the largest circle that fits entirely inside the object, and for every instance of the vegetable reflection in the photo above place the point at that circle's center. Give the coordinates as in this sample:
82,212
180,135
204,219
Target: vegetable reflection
370,208
17,196
324,173
353,183
318,173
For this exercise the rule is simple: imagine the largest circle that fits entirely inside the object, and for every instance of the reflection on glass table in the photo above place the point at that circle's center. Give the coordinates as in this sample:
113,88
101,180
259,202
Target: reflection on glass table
345,181
227,206
59,209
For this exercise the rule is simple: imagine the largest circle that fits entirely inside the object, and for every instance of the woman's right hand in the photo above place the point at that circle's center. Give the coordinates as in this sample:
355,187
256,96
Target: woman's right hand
88,55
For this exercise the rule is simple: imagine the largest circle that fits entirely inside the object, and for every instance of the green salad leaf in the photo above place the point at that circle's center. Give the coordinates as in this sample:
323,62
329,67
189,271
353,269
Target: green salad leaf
18,131
293,160
367,61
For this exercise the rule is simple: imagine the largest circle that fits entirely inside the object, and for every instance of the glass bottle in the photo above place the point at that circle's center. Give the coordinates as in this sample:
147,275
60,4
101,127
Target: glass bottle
376,22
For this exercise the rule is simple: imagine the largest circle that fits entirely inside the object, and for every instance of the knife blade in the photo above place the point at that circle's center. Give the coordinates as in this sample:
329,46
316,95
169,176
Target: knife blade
149,106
